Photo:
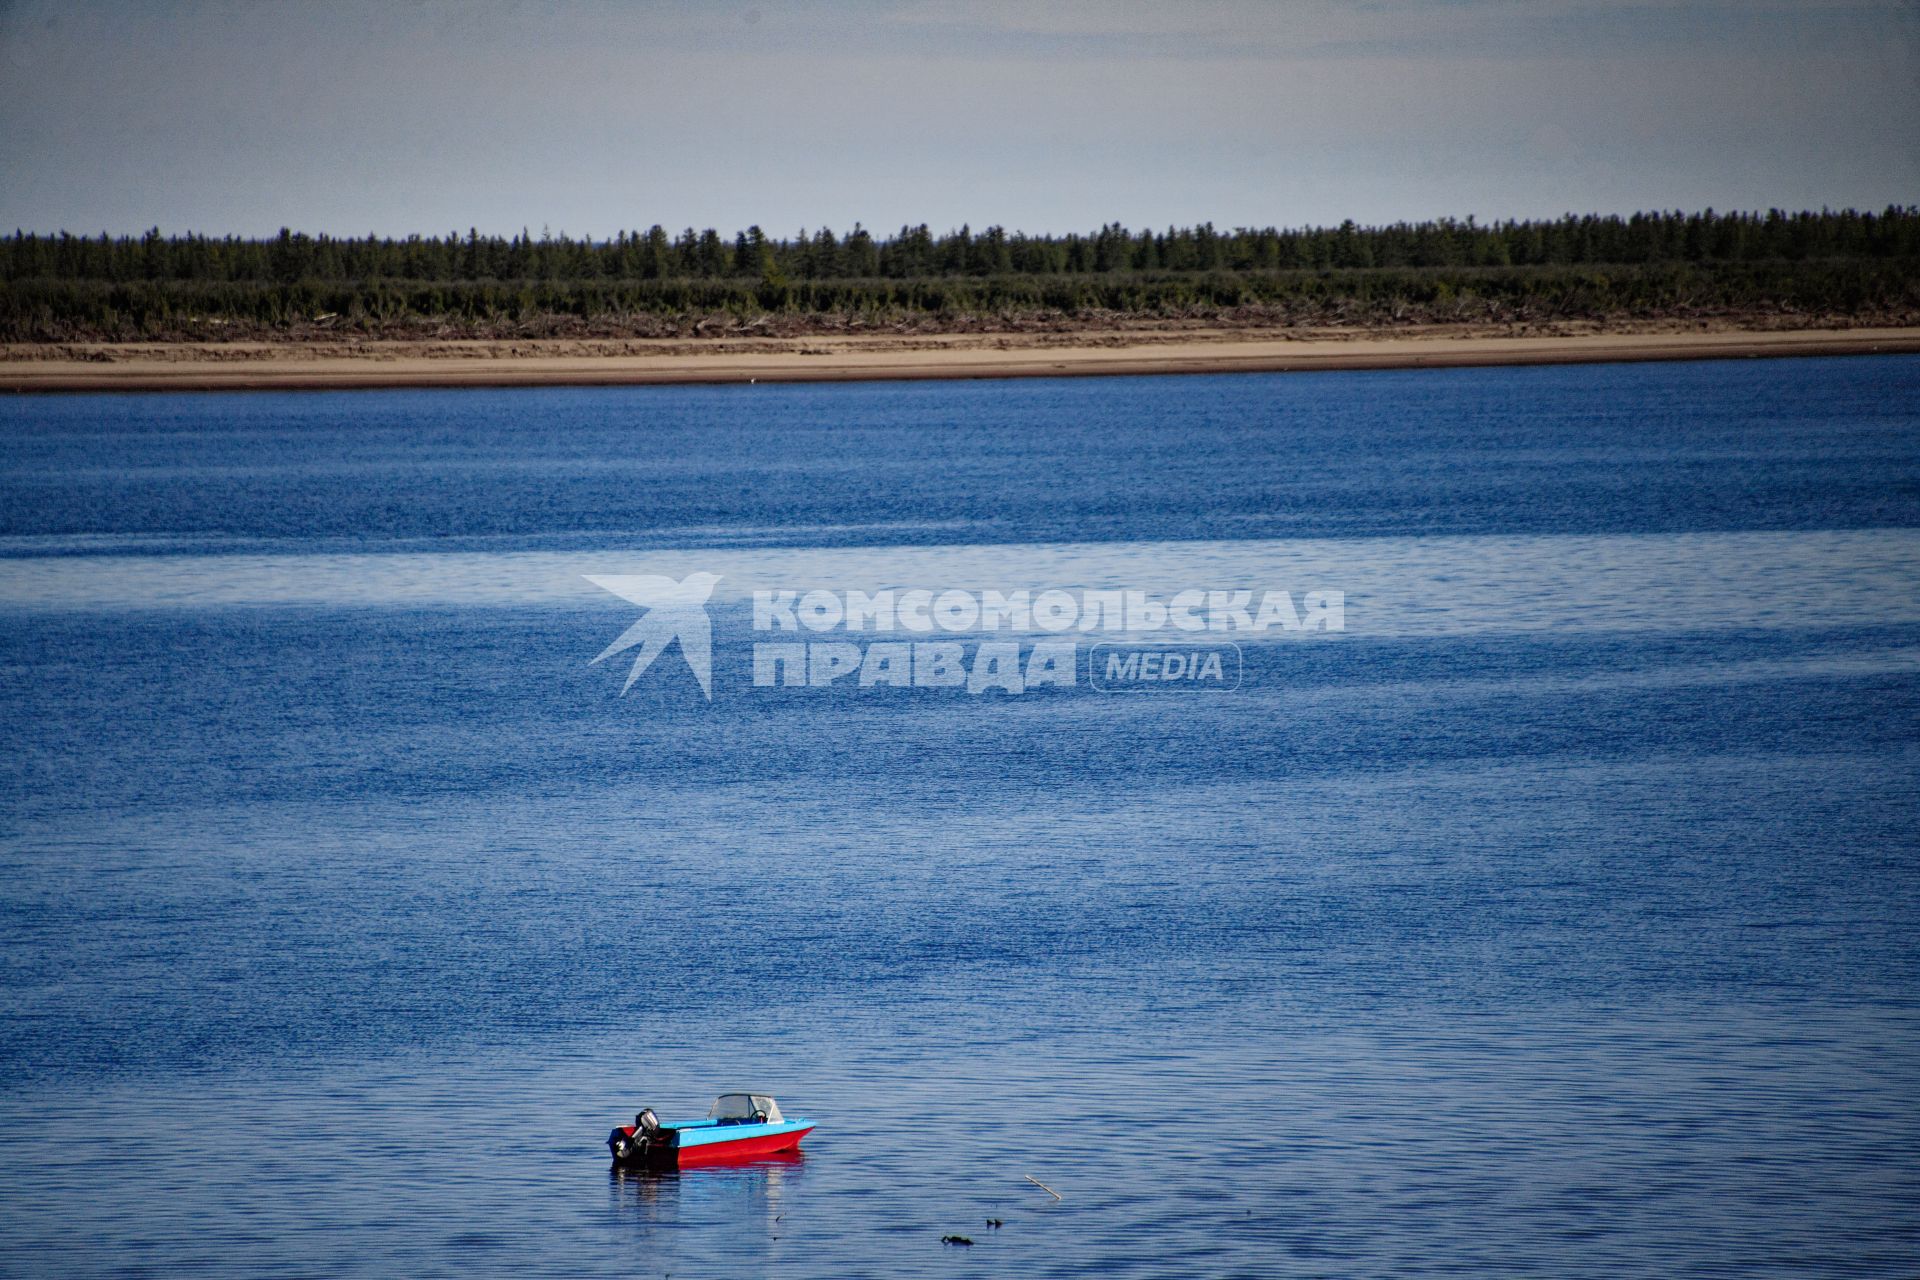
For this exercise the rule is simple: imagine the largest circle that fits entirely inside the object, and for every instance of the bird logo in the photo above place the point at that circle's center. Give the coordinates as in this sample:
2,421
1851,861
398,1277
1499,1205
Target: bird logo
675,611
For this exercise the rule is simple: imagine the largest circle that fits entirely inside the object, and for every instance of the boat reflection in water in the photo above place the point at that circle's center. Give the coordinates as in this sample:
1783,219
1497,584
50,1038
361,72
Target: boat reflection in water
722,1217
734,1196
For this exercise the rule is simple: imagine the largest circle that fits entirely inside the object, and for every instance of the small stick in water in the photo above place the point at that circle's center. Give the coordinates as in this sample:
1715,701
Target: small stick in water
1043,1186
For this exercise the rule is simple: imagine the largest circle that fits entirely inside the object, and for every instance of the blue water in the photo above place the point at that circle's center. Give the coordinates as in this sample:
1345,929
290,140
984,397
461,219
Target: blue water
1560,916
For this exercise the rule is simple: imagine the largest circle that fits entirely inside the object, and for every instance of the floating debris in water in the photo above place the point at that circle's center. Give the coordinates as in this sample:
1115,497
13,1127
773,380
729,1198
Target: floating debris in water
955,1240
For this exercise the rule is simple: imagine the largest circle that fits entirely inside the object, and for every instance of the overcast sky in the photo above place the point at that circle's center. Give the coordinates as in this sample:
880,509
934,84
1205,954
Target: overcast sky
589,117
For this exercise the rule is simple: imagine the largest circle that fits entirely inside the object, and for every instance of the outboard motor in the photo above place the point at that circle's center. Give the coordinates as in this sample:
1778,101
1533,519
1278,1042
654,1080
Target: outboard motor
636,1143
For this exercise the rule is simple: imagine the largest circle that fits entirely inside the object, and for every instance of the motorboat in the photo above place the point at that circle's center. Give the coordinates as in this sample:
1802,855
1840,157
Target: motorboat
740,1126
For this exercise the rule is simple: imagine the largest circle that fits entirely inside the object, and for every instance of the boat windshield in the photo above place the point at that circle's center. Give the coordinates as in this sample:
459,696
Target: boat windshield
742,1106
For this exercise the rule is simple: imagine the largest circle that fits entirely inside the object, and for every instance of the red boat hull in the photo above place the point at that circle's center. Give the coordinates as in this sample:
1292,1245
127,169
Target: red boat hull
744,1149
671,1154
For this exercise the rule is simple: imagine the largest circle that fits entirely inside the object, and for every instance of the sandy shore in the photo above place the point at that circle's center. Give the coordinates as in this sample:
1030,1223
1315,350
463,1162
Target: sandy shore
612,362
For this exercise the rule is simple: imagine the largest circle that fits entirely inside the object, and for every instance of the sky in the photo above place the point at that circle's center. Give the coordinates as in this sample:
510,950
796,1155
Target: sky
589,117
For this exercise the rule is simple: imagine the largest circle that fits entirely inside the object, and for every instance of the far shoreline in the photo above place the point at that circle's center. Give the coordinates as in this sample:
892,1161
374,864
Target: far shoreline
494,363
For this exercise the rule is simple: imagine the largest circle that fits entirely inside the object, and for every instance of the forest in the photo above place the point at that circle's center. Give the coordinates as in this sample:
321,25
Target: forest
1773,267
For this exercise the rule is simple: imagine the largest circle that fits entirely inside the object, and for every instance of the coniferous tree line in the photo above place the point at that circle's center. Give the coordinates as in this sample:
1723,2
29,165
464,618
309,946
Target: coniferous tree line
1843,263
